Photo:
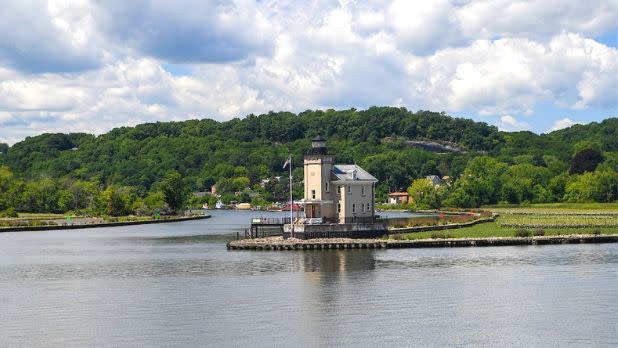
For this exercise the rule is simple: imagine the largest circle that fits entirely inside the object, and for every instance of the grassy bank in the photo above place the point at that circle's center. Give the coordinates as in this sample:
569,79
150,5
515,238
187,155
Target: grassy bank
535,220
38,221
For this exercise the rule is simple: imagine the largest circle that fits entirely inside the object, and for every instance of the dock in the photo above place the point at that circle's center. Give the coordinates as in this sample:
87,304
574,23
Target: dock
266,227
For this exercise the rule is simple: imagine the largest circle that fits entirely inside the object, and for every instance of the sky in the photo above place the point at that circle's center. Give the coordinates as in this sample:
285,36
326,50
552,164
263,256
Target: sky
90,66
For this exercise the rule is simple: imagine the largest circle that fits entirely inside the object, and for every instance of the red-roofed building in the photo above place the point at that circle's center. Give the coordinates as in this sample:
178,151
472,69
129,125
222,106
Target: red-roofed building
398,198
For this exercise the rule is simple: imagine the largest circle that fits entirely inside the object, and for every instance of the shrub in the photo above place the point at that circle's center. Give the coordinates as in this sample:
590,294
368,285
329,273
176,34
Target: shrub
522,233
440,235
10,213
539,232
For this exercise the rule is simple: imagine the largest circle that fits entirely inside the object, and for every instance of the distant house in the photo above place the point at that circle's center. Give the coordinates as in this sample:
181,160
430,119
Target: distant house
265,182
435,180
447,180
398,198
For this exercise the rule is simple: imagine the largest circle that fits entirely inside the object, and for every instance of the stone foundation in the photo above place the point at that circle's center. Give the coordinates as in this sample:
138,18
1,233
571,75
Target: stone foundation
353,230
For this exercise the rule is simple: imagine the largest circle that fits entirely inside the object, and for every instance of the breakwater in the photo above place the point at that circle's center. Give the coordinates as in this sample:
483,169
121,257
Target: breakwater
278,243
102,224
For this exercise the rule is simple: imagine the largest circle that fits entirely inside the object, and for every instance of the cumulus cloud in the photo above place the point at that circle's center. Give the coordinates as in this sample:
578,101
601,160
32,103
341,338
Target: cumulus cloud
562,123
188,30
513,75
90,66
49,36
510,124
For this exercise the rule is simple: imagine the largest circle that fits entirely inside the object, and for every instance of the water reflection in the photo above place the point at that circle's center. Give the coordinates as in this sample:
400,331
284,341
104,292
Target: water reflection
177,285
338,261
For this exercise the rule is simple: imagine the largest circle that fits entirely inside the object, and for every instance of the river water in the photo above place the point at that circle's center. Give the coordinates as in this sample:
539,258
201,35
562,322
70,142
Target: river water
176,285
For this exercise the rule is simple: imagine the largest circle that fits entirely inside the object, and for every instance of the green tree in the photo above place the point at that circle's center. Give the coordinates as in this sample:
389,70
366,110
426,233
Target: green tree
424,194
600,186
155,201
585,160
115,201
6,182
65,200
240,183
174,191
479,184
212,201
525,183
556,187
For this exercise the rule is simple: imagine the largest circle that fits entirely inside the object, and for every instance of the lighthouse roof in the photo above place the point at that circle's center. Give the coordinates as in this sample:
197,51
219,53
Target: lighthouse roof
351,172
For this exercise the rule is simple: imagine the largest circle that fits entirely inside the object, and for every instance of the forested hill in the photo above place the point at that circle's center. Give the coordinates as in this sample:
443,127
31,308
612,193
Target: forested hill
206,151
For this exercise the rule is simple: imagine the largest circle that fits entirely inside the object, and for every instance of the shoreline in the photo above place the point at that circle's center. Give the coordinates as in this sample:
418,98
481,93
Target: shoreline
278,243
97,225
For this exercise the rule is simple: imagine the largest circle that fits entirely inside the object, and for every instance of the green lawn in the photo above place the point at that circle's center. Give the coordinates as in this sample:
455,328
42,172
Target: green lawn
492,229
542,219
557,208
40,216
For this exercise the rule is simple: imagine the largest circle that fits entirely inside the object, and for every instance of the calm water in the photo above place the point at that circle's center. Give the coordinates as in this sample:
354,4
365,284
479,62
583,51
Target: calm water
176,285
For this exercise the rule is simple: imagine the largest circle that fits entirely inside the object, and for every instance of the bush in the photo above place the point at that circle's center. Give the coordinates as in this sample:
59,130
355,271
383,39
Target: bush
539,232
440,235
522,233
10,213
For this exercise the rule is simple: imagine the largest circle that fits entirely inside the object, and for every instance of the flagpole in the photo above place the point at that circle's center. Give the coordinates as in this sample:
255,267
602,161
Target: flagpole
291,202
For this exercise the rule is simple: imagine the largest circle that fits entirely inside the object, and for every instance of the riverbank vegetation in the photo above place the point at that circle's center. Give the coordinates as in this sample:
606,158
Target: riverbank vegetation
534,220
166,166
25,221
44,197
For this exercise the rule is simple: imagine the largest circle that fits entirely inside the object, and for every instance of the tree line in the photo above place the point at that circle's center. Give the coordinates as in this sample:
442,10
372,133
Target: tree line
238,155
487,181
67,195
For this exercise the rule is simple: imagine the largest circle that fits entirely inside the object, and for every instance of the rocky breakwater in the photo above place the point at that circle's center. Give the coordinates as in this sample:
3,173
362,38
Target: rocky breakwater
278,243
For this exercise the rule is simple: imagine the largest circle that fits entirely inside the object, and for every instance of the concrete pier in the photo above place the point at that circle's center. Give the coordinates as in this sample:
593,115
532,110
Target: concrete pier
278,243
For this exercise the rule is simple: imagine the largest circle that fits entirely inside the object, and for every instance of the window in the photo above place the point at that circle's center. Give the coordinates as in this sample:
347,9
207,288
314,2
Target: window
354,207
326,187
312,194
338,207
368,207
349,189
362,208
363,190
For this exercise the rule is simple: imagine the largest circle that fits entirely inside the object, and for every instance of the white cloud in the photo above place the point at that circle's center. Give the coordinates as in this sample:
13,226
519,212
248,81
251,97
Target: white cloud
54,36
509,123
562,123
188,30
511,76
99,64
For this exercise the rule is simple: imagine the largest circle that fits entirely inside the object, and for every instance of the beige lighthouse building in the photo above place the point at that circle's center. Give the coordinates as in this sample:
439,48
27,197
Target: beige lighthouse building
338,198
336,193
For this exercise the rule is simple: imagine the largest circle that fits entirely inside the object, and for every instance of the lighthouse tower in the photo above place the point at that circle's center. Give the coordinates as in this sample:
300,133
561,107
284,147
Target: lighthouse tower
319,196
